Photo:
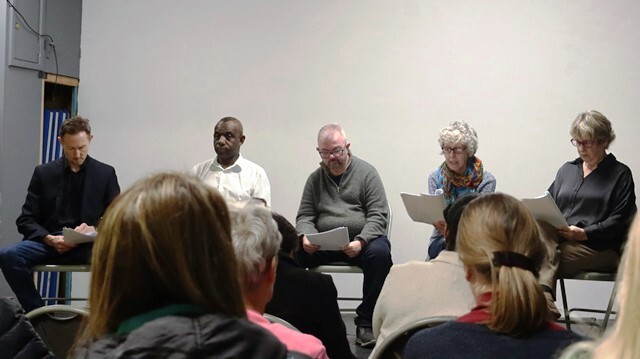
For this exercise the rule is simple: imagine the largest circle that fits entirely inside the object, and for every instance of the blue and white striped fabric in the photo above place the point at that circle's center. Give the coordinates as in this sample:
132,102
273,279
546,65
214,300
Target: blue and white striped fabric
51,150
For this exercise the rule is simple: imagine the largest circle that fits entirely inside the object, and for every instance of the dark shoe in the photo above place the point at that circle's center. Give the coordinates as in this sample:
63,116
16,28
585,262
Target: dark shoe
365,338
551,304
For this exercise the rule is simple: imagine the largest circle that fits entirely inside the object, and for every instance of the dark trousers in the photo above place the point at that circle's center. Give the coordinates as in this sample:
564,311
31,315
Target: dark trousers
18,260
375,262
437,246
565,259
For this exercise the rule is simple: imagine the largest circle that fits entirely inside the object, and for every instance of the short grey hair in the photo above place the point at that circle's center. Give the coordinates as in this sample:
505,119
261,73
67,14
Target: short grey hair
459,132
256,241
592,125
330,129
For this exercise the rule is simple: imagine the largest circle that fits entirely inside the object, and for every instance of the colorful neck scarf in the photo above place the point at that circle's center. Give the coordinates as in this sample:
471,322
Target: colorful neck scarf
453,184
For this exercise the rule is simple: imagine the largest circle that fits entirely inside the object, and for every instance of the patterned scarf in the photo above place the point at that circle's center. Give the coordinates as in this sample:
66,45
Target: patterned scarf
453,184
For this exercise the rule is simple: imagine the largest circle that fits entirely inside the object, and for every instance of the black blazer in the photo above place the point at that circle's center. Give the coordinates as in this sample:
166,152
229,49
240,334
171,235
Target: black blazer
40,212
308,300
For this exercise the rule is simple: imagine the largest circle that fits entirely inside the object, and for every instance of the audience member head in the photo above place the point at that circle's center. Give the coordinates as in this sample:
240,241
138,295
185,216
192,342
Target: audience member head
256,242
592,126
452,215
290,240
624,341
166,240
500,247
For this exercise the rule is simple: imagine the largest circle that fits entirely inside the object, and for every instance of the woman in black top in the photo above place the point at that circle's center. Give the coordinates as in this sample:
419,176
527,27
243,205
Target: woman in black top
595,193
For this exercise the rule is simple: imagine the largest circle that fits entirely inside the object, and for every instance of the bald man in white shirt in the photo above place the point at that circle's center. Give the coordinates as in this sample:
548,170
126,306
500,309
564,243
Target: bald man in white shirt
239,180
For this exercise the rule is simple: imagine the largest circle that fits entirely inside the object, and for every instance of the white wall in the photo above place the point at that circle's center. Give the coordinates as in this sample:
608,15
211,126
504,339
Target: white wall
157,74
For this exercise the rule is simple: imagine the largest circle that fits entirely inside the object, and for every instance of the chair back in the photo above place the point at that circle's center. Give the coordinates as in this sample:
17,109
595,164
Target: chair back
58,326
273,319
393,346
389,222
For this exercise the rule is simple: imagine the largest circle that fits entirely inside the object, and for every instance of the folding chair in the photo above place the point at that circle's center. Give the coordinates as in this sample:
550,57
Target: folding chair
592,276
63,291
58,326
344,267
393,346
274,319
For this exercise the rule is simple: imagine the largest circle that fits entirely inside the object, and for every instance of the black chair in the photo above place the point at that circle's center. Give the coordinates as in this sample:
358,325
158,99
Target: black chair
393,346
58,326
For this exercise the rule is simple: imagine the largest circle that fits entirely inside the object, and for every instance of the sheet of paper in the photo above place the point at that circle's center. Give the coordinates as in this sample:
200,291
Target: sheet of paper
74,237
332,240
545,208
424,208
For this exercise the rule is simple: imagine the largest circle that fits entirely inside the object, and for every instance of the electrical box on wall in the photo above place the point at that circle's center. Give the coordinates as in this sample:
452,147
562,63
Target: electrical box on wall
44,35
25,45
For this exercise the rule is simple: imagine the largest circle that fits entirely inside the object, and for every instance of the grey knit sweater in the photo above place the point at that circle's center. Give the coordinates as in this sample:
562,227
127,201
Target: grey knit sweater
358,202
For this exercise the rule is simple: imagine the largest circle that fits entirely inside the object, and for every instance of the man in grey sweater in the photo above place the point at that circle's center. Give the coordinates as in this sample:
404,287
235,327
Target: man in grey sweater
347,191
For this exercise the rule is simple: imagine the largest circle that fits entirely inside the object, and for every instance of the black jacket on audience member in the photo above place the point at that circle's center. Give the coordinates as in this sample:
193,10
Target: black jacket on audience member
308,300
177,336
18,339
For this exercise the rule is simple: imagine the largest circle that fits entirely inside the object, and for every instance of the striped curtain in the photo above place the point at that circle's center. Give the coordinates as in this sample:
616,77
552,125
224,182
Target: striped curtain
48,282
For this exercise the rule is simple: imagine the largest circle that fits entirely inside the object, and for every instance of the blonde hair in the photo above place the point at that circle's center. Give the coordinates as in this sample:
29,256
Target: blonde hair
592,125
624,341
500,223
459,132
164,241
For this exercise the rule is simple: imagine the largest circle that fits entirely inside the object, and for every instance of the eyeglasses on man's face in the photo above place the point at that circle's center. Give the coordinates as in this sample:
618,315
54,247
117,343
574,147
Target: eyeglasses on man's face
449,150
585,144
336,152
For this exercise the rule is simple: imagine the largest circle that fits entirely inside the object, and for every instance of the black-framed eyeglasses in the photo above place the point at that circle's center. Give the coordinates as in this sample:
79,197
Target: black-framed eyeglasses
585,144
450,150
335,153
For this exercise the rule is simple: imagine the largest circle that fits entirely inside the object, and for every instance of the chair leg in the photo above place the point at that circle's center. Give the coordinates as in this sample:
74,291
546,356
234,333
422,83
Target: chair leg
614,291
565,305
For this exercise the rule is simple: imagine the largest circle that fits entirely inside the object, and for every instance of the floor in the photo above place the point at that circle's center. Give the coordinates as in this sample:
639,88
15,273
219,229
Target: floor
358,351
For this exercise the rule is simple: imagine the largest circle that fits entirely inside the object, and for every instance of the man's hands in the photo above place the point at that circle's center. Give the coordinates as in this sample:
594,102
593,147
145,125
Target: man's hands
85,229
351,250
58,243
440,226
308,246
573,233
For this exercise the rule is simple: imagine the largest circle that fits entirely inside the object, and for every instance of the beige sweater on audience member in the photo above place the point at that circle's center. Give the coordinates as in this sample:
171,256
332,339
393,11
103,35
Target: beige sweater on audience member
417,290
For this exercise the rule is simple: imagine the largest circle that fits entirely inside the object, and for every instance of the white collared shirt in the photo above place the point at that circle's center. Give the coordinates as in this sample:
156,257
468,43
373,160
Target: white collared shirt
238,183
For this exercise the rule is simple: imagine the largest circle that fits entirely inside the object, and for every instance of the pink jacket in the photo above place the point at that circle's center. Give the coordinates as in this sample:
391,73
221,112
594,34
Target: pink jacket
295,341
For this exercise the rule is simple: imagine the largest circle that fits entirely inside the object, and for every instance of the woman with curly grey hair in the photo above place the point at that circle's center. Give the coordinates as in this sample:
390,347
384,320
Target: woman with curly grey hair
461,172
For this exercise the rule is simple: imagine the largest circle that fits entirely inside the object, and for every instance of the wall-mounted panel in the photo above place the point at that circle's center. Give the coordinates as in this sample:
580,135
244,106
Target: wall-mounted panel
25,45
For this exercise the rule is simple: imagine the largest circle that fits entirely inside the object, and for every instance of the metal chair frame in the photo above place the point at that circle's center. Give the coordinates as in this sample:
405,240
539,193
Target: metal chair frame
274,319
592,276
393,345
58,326
67,269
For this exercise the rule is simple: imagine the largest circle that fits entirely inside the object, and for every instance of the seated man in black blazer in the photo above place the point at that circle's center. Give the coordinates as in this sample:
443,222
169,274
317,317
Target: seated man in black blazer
72,191
297,289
